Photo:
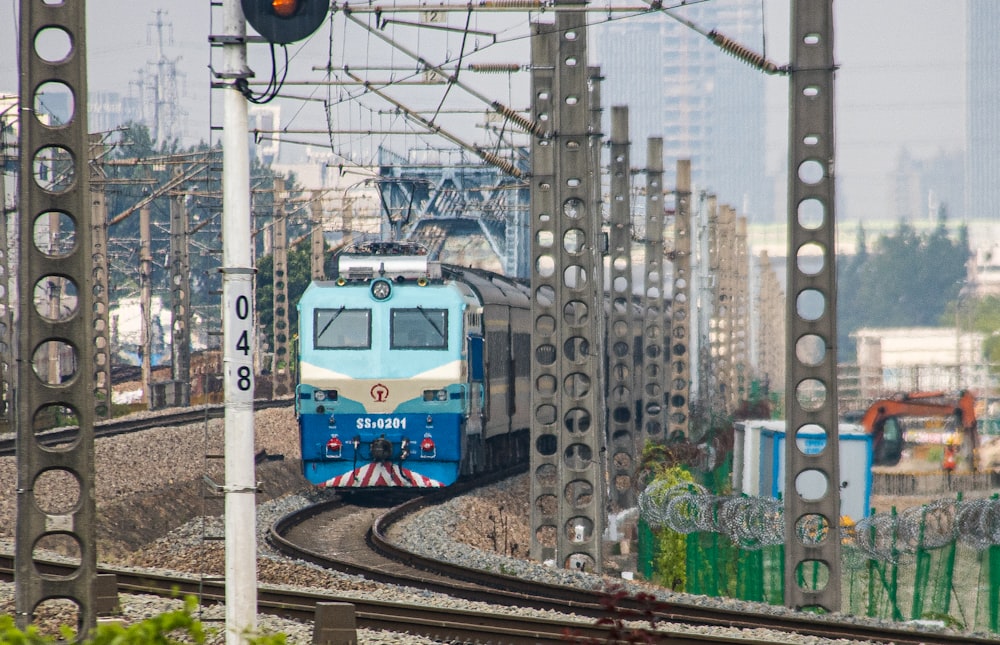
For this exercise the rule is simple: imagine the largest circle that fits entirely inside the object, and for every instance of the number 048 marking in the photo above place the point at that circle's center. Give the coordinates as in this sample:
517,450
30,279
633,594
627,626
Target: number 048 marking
240,331
242,313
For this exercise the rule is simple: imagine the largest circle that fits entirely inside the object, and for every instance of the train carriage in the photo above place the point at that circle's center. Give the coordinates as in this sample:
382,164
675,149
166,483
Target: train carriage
411,374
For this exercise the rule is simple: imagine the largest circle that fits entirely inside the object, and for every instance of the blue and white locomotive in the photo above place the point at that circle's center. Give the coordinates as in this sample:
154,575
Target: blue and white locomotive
411,373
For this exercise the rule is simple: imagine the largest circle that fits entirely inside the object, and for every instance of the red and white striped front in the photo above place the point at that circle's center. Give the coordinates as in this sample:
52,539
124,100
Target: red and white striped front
381,474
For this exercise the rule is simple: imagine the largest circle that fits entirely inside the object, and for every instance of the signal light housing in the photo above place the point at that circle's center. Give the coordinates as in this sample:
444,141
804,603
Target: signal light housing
334,446
285,21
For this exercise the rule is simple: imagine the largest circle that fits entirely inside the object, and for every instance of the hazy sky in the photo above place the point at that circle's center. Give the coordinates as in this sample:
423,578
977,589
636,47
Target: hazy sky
901,79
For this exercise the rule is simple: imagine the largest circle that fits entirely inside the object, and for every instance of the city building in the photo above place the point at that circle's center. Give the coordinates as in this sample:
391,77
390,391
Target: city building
707,106
982,157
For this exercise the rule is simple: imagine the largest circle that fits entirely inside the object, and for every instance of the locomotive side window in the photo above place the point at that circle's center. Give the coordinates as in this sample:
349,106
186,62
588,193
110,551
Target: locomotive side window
419,329
342,328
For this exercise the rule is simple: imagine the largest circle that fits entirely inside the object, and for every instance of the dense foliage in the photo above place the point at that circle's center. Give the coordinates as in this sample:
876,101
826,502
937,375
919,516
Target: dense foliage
670,552
906,279
978,315
169,628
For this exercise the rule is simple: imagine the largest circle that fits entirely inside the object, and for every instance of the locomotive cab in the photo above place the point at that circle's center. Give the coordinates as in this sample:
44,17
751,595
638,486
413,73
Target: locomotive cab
409,372
383,393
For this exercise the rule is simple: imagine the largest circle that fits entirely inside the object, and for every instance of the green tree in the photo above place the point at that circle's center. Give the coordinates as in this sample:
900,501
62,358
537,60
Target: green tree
670,564
977,315
906,280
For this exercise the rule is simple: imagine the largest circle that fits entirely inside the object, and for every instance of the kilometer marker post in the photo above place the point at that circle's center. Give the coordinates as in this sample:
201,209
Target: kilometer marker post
238,338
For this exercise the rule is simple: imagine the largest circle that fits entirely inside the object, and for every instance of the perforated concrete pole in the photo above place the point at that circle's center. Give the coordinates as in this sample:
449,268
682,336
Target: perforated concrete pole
621,321
654,327
99,243
741,322
180,301
567,484
54,184
281,375
812,513
317,245
679,404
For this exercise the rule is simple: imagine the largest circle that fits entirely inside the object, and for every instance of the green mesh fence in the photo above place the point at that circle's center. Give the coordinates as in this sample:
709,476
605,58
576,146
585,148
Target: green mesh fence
988,606
703,564
750,576
934,579
987,614
646,555
938,561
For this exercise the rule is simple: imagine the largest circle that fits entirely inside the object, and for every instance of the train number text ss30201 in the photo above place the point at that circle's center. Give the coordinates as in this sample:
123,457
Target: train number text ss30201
381,423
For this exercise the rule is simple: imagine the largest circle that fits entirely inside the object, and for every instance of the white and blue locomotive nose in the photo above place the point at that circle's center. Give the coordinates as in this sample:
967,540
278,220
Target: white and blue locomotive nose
393,379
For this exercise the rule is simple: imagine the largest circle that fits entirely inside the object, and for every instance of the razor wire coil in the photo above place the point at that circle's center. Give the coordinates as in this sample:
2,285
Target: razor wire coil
755,522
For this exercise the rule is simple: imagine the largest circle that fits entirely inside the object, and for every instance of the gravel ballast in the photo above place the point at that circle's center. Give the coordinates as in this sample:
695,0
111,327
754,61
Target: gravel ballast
148,485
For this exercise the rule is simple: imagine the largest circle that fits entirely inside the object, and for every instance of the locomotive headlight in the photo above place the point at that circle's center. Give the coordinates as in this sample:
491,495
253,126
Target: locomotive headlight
381,289
435,395
319,395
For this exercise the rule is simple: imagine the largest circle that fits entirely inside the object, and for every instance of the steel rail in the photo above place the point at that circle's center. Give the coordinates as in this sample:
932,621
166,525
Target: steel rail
504,590
186,416
432,622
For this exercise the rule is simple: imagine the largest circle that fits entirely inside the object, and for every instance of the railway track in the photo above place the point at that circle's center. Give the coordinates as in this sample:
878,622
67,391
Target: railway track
362,548
445,624
178,417
675,621
374,557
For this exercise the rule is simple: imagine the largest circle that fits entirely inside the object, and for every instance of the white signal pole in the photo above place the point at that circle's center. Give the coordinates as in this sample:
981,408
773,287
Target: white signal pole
238,336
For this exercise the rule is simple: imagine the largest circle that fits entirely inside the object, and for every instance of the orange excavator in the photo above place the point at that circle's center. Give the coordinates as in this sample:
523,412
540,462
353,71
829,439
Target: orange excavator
882,421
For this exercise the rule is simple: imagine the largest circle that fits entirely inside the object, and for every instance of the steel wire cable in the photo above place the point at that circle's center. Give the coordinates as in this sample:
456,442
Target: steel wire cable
682,514
878,537
977,523
931,526
654,499
753,522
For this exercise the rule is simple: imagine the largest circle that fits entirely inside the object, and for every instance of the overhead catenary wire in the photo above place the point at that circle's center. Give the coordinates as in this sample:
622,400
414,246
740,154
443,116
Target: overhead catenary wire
452,78
486,155
726,44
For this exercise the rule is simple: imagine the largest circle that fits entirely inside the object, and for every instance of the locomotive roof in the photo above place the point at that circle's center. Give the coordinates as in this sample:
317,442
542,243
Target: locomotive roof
491,288
386,259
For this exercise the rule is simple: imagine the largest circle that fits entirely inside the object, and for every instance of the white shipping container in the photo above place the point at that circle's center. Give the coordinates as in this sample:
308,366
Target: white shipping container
759,464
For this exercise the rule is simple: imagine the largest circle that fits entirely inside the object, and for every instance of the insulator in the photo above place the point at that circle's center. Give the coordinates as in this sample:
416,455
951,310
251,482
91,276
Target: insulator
494,68
512,4
745,54
523,122
499,162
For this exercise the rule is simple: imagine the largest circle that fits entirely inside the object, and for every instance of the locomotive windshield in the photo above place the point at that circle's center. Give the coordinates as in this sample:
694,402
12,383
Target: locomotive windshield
342,328
419,329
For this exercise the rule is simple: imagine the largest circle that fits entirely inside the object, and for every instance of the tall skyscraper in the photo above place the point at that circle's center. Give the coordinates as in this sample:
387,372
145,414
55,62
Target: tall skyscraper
707,106
982,139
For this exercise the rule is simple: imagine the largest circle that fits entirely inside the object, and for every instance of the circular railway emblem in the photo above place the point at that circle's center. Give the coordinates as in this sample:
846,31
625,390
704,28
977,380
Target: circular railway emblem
379,393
